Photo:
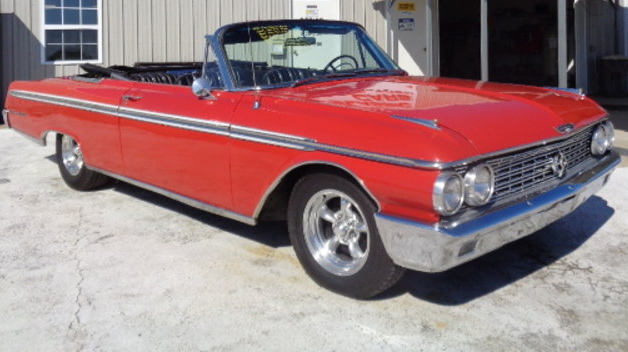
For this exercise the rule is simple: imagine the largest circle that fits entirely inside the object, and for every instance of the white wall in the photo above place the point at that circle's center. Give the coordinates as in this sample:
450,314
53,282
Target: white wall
316,9
409,29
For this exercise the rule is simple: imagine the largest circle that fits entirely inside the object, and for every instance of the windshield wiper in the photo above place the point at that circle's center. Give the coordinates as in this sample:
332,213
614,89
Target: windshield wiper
379,70
323,77
346,74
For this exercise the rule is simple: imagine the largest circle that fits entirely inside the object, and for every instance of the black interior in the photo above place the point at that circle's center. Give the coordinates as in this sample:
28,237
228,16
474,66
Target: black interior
268,75
164,73
247,74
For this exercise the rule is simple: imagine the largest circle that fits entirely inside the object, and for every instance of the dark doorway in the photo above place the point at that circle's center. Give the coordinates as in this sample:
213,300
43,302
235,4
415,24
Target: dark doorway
460,38
523,42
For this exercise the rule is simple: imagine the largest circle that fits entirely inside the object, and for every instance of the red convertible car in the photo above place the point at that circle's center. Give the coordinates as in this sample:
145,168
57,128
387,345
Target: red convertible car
310,122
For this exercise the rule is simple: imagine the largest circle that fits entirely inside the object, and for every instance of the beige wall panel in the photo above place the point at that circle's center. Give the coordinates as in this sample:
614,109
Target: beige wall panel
226,12
348,11
186,34
72,70
158,14
115,17
284,7
213,16
173,31
144,31
359,14
265,10
7,6
380,23
369,13
130,31
105,34
199,28
249,7
238,11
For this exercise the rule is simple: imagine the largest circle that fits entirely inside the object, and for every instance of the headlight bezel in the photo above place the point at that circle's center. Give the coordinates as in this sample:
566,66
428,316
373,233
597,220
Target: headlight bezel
610,134
471,197
600,139
438,197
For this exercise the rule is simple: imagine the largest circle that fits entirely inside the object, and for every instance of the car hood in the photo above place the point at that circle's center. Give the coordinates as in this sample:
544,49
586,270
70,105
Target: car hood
490,116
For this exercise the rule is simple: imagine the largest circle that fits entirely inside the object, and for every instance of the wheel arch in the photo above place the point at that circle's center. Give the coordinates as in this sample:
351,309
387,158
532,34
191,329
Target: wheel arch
273,204
43,138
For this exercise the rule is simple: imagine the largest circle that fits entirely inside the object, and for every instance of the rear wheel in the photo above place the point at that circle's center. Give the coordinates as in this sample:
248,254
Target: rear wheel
72,166
334,235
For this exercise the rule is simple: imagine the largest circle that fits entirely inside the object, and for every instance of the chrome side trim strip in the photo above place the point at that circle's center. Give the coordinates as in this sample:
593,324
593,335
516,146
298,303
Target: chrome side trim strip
170,120
271,138
218,128
177,121
180,198
383,158
67,102
263,136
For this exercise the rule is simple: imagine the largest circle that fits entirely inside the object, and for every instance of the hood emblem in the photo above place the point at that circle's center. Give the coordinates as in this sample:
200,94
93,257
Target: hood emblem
559,165
433,124
566,128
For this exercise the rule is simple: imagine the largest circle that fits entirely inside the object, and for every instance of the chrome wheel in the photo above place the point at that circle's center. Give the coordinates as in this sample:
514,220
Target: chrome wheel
71,155
336,232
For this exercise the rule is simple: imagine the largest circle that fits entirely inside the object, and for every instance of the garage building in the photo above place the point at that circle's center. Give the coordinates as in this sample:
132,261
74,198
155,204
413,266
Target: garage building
538,42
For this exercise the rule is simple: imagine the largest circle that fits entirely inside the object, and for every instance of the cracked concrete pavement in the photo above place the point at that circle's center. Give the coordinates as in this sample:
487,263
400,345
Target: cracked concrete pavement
123,269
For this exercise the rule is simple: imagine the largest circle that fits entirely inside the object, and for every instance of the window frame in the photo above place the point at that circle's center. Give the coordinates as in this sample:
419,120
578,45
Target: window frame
46,27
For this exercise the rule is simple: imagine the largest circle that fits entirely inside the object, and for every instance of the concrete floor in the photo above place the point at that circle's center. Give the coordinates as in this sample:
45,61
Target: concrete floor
123,269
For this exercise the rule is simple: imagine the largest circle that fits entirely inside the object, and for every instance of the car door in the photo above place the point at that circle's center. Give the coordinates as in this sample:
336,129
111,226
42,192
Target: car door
177,141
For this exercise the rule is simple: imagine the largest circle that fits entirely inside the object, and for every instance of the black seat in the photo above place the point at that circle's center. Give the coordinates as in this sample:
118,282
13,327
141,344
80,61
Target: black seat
280,74
154,77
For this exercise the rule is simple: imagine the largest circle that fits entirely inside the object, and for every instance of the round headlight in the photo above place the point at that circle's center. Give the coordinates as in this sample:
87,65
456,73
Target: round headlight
448,193
610,135
599,142
479,184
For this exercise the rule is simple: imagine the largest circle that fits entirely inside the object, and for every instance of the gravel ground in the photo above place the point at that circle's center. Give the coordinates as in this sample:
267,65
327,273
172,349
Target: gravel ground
122,269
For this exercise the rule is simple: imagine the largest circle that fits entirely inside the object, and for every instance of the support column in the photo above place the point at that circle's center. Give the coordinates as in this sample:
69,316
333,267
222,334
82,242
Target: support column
484,39
429,21
562,44
582,46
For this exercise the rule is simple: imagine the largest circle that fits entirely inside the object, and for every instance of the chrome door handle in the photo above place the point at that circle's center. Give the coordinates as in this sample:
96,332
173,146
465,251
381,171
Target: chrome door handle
131,97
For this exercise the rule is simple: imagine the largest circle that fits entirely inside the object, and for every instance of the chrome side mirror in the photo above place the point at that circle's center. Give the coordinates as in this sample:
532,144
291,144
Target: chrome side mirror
202,88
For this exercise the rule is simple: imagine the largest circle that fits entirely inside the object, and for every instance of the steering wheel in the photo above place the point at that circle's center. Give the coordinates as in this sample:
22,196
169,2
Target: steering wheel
330,65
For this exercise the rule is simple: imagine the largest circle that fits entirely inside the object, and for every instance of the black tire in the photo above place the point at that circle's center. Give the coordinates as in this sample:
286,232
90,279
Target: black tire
74,172
339,269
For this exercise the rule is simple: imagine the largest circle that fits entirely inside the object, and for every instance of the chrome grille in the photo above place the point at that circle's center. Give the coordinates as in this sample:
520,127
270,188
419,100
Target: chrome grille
531,170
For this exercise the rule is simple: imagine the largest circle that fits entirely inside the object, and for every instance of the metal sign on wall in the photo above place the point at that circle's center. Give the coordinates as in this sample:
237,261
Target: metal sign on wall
316,9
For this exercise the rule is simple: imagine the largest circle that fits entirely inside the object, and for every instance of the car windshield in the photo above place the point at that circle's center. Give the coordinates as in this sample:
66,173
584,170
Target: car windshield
289,53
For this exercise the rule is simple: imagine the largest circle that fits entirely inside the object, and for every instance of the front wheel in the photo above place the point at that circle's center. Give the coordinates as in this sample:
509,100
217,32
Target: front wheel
333,232
72,166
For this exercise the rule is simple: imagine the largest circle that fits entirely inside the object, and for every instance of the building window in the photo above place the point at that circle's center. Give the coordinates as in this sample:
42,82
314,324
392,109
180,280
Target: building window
71,31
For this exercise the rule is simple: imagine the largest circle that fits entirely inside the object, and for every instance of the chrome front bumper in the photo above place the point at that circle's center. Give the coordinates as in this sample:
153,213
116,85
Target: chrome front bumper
432,248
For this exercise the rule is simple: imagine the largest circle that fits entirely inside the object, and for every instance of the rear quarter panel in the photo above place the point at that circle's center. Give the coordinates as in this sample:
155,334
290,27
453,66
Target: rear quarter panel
97,133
